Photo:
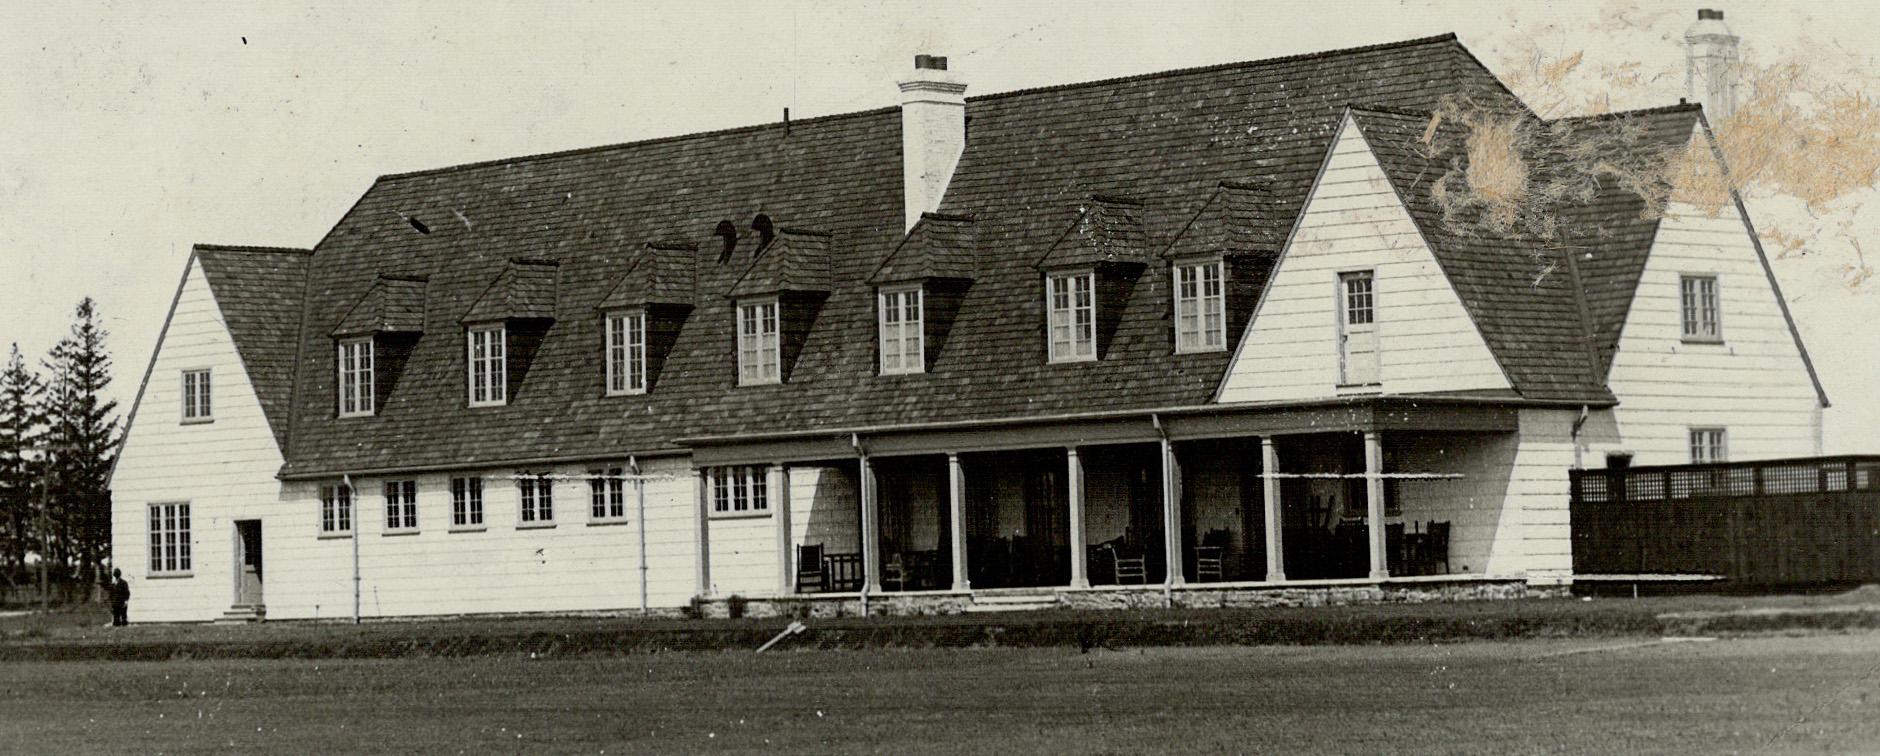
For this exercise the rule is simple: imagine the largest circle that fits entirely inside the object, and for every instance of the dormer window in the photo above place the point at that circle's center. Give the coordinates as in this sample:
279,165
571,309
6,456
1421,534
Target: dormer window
626,353
900,322
488,360
355,377
1200,307
1071,298
759,352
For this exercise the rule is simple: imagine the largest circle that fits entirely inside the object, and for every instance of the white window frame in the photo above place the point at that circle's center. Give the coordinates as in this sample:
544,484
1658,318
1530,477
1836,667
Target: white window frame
738,491
1348,322
401,507
607,495
1700,312
198,396
1200,306
491,365
760,348
902,329
169,539
626,352
535,500
338,511
466,504
356,397
1070,300
1709,444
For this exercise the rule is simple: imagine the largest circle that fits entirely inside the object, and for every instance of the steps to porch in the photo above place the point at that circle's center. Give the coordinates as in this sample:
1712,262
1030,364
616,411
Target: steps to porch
237,615
1021,600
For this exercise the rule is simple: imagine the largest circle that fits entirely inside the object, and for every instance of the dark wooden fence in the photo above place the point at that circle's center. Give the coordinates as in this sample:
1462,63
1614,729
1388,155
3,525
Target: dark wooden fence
1772,522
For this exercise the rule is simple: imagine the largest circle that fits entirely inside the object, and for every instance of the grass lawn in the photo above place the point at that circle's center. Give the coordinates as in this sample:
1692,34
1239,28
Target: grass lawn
1602,695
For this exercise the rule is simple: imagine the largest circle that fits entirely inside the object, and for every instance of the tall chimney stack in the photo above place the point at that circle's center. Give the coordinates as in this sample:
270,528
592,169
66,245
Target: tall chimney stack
933,134
1711,64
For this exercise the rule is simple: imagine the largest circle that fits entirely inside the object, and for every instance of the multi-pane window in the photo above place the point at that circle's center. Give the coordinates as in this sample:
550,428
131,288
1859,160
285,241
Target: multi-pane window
336,510
1072,300
1698,302
196,396
1707,445
466,502
758,357
355,377
401,505
488,378
537,497
1360,299
607,494
626,352
1357,329
739,490
902,342
169,538
1200,308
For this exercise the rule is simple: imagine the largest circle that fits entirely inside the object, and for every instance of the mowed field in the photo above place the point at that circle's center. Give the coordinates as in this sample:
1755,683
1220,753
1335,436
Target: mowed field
1753,695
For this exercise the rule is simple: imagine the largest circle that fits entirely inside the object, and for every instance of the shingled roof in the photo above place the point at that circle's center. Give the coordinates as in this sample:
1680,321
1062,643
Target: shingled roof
938,246
260,292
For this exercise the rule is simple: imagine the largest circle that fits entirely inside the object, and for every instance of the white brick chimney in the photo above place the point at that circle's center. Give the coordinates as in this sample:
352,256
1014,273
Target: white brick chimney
1711,65
933,133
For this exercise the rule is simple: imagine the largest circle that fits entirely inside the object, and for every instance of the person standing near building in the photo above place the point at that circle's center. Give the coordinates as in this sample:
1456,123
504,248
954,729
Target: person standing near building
120,599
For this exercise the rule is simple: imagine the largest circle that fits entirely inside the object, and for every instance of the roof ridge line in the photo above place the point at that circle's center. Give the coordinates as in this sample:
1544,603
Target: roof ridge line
1678,108
252,248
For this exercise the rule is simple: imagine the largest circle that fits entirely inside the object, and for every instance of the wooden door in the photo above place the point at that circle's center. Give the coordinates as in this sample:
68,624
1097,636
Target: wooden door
248,563
1357,334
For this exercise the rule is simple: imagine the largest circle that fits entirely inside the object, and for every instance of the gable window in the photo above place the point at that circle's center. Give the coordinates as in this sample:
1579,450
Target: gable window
488,378
1708,445
466,503
739,491
607,491
1073,316
537,500
1357,328
196,396
902,342
626,353
336,510
355,377
759,357
1698,300
401,506
1200,308
169,539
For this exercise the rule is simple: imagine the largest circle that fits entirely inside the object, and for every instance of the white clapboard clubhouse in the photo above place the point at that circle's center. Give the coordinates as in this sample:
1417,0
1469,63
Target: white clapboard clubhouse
1200,330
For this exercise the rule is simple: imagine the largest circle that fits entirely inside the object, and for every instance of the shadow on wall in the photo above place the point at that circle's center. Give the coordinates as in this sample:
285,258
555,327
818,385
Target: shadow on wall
833,518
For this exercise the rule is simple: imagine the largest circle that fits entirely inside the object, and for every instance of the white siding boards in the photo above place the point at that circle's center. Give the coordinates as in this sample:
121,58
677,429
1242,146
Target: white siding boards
1753,382
1353,221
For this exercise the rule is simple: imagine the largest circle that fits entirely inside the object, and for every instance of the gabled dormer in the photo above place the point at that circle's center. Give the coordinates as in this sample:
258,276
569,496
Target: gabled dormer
505,326
373,341
918,290
641,317
1088,275
777,300
1219,262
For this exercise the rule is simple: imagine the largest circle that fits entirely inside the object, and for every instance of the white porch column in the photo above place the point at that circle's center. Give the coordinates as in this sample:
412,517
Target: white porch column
1275,523
1374,502
871,529
778,483
704,533
1172,513
956,494
1079,552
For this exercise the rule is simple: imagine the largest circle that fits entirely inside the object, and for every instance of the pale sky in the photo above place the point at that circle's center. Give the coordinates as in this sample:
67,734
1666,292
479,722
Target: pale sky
129,131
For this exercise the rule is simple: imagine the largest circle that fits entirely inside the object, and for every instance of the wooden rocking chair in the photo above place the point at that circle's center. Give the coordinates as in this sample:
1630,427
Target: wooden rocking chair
811,575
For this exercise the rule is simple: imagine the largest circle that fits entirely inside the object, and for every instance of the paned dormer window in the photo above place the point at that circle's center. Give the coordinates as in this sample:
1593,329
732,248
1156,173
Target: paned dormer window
1072,302
902,342
626,353
1200,307
759,355
488,376
1701,316
355,377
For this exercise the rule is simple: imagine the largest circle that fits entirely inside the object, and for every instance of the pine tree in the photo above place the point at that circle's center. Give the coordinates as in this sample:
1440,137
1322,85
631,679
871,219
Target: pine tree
82,443
22,426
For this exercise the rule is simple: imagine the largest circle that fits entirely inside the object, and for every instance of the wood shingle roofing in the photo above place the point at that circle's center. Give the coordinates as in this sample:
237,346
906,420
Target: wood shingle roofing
260,290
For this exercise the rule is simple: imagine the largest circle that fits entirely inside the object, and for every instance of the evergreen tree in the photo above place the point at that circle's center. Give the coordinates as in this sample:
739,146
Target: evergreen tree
22,425
82,444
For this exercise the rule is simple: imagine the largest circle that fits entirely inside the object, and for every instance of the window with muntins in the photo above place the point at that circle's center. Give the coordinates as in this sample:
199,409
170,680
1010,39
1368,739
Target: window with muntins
466,502
759,358
336,510
488,376
1357,329
355,378
1072,300
1698,302
902,341
607,494
196,408
1708,445
169,538
626,353
740,490
537,499
401,506
1200,308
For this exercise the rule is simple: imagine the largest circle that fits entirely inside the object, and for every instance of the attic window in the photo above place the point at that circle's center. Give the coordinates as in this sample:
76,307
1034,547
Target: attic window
355,377
1071,298
759,358
729,234
1199,307
488,374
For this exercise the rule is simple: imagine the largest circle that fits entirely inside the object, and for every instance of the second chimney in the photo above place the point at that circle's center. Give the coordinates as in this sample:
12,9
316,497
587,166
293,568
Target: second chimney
933,134
1711,63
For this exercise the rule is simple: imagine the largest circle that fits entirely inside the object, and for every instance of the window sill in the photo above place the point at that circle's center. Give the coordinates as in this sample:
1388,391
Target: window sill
198,420
1070,361
336,536
168,575
1714,341
401,532
607,521
740,515
468,528
354,415
1201,349
534,525
641,392
487,405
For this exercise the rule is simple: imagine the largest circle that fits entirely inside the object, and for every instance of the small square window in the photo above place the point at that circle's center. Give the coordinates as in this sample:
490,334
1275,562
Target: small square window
196,396
1708,445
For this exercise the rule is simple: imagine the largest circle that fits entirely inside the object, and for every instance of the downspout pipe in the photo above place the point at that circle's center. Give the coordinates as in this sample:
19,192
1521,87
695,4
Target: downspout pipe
1578,423
639,496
